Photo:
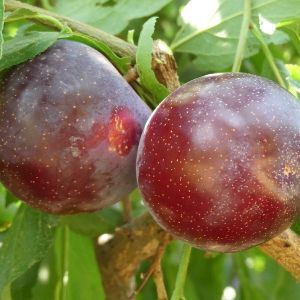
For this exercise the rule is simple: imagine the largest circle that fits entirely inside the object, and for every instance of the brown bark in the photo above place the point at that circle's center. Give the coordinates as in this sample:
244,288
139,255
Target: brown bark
285,249
120,257
164,65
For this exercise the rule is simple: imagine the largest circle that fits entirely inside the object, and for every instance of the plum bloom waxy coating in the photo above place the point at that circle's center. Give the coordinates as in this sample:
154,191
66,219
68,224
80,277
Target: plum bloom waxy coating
219,161
69,130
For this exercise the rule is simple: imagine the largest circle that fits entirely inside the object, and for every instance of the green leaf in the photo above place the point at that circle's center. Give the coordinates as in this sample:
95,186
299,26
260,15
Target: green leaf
292,28
110,16
24,47
260,277
1,25
207,276
8,208
144,62
293,76
82,260
26,243
296,227
94,224
121,63
77,267
210,30
22,287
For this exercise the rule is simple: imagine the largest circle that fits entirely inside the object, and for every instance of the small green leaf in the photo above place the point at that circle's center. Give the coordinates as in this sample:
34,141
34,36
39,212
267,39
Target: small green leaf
144,63
293,76
8,208
24,47
121,63
22,287
93,224
26,243
1,25
296,227
292,28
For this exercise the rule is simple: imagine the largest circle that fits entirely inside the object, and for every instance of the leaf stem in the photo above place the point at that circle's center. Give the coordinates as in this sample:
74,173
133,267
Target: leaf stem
243,37
181,275
49,20
63,264
268,54
242,276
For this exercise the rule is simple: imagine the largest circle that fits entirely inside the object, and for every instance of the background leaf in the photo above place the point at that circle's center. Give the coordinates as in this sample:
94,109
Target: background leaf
210,30
110,16
144,63
21,288
70,270
93,224
26,243
81,260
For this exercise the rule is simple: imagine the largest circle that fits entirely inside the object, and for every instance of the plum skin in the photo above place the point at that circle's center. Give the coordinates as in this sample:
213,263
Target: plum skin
218,162
69,130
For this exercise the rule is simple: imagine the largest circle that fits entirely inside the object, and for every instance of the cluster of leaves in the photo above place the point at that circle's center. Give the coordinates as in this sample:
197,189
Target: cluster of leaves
43,256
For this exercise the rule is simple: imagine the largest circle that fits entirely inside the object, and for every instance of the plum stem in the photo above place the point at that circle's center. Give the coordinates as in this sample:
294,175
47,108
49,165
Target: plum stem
127,209
182,271
268,54
243,37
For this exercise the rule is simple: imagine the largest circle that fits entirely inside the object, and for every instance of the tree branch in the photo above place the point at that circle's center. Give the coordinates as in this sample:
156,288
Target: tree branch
121,256
285,249
117,45
155,270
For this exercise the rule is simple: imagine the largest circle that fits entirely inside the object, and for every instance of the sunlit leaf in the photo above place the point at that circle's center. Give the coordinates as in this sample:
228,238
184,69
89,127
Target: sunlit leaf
210,29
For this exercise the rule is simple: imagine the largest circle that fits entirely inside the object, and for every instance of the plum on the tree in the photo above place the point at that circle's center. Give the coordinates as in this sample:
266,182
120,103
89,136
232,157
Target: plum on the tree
218,163
69,130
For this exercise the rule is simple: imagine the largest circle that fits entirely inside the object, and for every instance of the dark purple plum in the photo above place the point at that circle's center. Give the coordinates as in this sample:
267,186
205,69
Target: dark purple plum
69,130
219,162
